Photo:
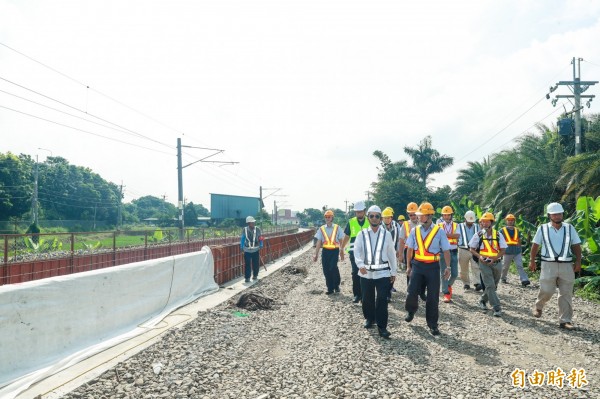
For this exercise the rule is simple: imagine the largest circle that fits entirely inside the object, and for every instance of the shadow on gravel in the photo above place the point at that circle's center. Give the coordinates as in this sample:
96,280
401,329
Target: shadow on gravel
482,355
409,348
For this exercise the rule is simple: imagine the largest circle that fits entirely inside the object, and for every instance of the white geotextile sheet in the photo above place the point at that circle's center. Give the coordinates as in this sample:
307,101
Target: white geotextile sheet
50,324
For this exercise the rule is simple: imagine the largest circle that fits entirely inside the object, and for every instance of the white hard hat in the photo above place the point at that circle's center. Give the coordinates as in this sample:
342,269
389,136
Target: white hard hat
359,206
554,208
374,209
250,219
470,216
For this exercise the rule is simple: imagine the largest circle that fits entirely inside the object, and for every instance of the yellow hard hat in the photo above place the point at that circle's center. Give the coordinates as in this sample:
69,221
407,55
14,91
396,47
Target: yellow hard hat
510,216
401,217
487,216
412,207
425,209
447,210
387,212
328,212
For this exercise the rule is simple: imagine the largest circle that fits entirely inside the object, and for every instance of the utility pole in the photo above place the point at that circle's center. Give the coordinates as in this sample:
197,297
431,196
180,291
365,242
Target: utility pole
577,86
180,177
34,199
120,213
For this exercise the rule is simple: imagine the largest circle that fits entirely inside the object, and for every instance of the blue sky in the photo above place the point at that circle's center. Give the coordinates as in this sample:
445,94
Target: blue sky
299,93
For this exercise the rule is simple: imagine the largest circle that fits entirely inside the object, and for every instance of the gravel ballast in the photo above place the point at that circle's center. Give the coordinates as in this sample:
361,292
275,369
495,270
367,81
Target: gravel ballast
311,345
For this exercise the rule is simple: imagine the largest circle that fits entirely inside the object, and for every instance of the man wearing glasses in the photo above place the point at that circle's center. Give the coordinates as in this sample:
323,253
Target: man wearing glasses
377,267
329,236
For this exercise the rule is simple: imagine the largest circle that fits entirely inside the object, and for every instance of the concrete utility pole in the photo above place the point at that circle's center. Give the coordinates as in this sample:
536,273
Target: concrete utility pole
180,177
120,212
34,199
577,86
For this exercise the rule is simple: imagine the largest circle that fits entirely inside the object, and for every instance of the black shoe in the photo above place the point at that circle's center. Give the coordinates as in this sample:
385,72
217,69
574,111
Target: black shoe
254,277
423,297
467,287
368,324
336,289
567,326
384,333
434,331
525,283
328,292
409,317
504,281
478,287
247,280
356,299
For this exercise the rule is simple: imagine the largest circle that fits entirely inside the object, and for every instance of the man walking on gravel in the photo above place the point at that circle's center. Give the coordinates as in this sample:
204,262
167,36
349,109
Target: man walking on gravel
512,235
487,247
394,228
251,242
329,236
450,228
377,267
424,245
559,242
354,226
468,267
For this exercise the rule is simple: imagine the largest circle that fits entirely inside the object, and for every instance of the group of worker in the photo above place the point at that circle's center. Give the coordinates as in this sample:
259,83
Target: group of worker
433,252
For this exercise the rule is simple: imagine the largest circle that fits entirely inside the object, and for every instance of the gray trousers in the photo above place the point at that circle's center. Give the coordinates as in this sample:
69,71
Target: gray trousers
491,277
518,259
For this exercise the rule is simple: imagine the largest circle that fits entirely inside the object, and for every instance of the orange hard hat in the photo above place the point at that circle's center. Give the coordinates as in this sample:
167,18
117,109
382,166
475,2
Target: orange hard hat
487,216
447,210
412,207
328,212
425,209
510,216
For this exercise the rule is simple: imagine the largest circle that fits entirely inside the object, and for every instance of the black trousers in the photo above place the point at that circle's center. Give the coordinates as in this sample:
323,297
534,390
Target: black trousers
356,290
329,260
427,274
375,307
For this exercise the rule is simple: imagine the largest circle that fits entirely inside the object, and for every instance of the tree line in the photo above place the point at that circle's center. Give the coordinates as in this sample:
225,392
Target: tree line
70,192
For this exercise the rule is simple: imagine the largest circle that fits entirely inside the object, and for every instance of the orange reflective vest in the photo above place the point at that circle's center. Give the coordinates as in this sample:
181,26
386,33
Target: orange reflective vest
422,254
511,240
330,242
452,241
491,246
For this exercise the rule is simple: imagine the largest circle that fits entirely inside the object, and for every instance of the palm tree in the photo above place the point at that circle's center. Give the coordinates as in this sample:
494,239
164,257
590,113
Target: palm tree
427,160
471,181
523,179
581,174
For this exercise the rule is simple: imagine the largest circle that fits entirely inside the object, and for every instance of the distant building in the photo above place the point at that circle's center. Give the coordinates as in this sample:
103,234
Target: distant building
223,206
287,216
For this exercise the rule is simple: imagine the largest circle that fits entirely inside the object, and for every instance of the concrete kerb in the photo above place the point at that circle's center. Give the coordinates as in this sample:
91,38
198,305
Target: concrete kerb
69,379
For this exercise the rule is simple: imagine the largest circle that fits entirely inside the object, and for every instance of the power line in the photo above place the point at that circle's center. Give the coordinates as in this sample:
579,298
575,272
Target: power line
81,130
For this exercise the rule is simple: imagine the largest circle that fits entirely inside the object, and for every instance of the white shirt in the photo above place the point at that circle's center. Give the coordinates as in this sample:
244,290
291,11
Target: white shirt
389,254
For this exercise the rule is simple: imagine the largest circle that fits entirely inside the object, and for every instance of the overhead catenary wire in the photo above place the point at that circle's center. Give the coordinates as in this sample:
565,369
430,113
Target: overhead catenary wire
83,131
87,86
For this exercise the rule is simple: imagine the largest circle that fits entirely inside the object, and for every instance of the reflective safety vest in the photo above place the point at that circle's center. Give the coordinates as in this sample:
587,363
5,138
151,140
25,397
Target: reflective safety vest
511,240
550,254
422,254
374,255
395,232
330,242
491,246
452,241
355,228
463,234
251,237
407,229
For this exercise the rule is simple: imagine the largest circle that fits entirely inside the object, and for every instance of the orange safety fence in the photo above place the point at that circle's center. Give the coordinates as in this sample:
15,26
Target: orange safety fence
228,257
